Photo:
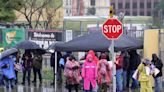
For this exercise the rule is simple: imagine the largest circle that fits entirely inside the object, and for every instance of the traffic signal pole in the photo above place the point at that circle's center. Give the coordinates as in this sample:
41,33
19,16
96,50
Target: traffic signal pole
111,12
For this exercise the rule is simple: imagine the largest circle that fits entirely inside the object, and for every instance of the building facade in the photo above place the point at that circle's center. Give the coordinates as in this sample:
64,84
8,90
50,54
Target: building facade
86,7
101,7
135,7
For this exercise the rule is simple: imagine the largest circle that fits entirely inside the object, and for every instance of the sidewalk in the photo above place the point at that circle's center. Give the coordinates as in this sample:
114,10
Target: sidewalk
47,88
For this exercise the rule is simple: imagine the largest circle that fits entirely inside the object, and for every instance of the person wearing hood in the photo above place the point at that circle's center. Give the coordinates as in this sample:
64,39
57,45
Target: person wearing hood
7,66
158,78
145,76
89,73
95,59
72,73
104,73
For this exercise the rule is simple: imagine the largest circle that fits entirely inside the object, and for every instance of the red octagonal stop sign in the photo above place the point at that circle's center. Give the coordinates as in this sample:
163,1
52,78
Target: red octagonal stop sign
112,29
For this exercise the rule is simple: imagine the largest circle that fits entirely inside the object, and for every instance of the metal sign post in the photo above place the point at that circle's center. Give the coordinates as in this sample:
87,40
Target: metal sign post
114,66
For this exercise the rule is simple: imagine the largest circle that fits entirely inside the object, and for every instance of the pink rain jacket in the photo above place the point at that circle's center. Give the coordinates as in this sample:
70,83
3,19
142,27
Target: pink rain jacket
89,73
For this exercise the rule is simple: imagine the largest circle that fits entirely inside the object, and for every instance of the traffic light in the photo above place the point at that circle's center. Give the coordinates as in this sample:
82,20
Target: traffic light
111,11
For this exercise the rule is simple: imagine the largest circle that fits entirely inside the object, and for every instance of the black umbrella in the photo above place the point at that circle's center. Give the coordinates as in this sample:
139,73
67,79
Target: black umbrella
27,45
8,52
97,42
39,51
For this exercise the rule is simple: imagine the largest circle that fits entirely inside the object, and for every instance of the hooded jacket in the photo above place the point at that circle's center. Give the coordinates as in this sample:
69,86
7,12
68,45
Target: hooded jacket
95,59
8,71
89,73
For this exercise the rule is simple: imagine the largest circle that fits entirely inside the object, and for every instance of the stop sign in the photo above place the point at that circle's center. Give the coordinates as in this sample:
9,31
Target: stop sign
112,29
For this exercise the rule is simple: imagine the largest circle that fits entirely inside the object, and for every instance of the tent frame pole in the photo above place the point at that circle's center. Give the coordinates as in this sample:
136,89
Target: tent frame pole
55,71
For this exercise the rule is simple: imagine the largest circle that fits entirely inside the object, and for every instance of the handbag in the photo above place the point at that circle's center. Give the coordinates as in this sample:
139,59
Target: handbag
136,75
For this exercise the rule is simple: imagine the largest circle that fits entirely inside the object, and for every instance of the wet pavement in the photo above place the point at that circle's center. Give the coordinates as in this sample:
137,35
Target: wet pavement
47,88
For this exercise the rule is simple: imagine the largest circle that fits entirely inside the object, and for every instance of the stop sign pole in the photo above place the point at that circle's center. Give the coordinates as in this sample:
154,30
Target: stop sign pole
113,55
112,29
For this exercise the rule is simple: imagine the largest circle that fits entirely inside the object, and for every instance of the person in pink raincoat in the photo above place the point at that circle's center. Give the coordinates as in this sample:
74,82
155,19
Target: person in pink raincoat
89,74
72,74
104,73
95,59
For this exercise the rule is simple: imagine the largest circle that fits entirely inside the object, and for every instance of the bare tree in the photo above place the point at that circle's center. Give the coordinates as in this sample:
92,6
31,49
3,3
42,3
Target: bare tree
50,13
32,10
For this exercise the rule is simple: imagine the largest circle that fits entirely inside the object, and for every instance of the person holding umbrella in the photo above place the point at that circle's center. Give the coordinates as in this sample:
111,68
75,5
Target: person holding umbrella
89,73
27,65
7,60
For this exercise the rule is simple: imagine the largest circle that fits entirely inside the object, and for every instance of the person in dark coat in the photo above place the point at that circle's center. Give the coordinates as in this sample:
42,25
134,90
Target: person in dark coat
37,66
52,62
158,78
134,62
125,68
27,65
17,64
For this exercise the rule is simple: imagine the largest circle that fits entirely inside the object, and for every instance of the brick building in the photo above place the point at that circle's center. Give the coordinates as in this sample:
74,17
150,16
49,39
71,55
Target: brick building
135,7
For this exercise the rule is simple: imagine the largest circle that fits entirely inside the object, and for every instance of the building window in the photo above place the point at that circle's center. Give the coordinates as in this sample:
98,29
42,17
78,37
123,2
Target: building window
113,6
120,5
127,13
135,5
70,11
141,5
92,2
67,12
149,5
155,4
148,13
66,2
70,2
135,13
127,5
142,13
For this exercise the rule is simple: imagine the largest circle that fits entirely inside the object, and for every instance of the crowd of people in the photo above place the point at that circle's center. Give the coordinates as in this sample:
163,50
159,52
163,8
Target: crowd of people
93,72
11,65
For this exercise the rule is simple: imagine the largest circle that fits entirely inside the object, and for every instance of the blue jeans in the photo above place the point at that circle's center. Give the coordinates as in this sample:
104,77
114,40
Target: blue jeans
124,79
135,83
158,84
119,82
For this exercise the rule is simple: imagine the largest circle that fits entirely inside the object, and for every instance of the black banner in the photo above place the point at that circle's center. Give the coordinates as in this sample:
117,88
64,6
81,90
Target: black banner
44,38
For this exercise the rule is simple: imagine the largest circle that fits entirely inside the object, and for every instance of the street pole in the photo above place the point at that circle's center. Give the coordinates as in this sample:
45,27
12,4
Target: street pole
55,71
114,66
111,12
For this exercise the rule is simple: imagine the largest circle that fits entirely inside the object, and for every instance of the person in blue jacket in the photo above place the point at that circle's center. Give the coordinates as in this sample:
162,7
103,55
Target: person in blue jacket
7,67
